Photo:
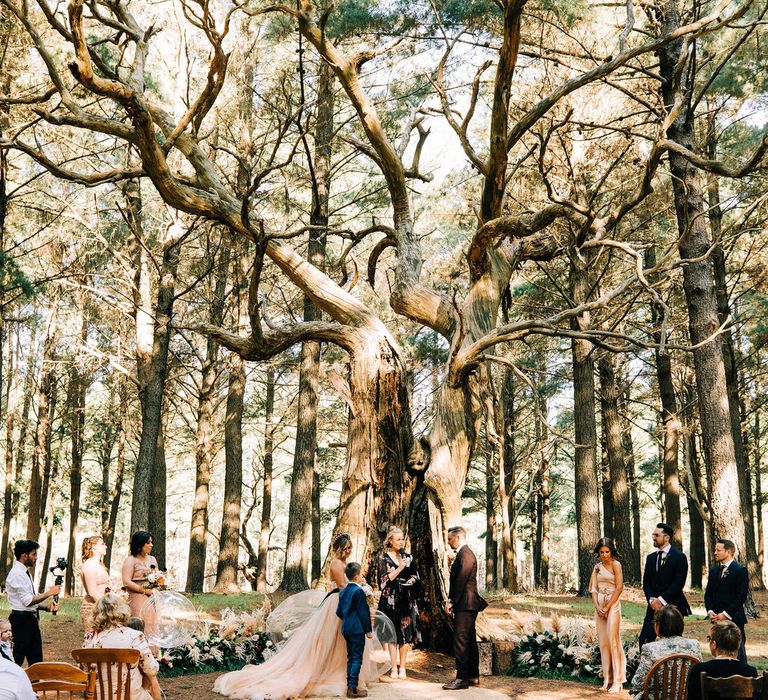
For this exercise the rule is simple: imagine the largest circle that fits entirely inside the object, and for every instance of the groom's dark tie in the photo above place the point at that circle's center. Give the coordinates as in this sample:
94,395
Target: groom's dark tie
659,557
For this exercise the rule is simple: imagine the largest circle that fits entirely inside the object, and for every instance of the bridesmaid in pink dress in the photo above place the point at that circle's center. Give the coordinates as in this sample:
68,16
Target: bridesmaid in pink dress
136,568
606,585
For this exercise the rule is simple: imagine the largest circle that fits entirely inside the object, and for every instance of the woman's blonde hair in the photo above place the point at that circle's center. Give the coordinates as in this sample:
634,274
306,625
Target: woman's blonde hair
88,543
340,543
393,530
110,611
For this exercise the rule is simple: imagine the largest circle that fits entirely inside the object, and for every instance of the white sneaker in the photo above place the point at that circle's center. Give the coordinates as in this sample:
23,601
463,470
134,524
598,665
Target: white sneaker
393,672
402,672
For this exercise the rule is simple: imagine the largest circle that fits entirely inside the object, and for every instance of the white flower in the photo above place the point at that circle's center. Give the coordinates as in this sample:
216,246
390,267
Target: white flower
545,658
587,667
194,655
217,655
540,639
560,665
532,661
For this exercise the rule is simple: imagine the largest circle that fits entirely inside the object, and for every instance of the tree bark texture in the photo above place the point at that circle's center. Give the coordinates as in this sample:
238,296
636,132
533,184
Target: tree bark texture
612,429
266,493
205,449
108,528
585,468
295,573
699,288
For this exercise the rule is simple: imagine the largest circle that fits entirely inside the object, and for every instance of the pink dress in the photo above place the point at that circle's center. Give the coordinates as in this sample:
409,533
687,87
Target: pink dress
612,656
312,662
86,608
138,601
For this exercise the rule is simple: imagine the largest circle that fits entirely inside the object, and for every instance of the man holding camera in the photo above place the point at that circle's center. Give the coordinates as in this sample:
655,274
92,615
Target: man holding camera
25,604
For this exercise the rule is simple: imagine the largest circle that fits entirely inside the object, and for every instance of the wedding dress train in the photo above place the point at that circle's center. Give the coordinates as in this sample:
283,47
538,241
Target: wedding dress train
312,662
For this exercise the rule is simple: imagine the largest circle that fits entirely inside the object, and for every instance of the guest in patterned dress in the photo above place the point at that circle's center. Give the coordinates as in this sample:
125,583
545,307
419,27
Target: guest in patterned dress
668,624
110,616
398,580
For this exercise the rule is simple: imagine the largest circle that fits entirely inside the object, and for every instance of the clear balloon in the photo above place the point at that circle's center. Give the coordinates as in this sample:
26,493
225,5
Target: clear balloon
292,613
170,619
383,636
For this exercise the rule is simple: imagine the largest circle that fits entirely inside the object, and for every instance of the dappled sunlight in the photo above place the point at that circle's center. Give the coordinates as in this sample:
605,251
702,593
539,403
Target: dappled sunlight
421,690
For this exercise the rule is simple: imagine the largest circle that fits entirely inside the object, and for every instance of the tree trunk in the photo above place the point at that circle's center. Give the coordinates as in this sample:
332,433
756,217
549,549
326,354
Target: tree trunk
158,505
669,418
758,458
605,486
266,497
506,483
76,392
205,450
108,532
699,287
153,340
612,428
749,557
229,541
41,455
586,491
302,480
317,554
697,553
490,521
634,491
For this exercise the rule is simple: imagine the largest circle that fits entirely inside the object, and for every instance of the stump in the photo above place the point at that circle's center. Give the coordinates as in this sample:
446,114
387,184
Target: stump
502,657
486,658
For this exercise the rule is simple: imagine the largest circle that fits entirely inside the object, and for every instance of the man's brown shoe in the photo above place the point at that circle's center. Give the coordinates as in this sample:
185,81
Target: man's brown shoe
457,684
356,692
474,681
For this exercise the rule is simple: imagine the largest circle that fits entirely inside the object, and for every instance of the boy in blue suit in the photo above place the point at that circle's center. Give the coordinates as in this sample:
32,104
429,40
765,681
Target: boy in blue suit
355,626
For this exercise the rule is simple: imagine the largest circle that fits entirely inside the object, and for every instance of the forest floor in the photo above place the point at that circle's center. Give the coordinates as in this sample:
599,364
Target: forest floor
428,671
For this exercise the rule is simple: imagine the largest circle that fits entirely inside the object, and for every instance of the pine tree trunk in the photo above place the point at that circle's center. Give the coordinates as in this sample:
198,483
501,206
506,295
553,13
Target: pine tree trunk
758,458
266,494
490,521
699,287
153,341
587,505
229,540
76,393
634,494
302,480
158,498
697,553
612,428
109,531
506,482
205,449
41,455
317,554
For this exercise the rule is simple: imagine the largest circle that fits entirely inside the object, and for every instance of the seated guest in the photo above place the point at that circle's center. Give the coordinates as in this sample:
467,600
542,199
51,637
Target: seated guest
14,683
724,643
668,624
110,618
6,639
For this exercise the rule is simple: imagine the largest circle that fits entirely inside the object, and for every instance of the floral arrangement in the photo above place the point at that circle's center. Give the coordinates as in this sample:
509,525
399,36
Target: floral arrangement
155,578
566,651
236,640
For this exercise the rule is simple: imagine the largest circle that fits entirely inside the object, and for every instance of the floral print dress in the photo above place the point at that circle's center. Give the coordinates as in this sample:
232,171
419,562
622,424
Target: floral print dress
398,597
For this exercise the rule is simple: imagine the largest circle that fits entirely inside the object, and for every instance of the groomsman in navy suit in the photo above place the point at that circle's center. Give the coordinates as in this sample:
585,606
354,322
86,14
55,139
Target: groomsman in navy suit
663,579
727,590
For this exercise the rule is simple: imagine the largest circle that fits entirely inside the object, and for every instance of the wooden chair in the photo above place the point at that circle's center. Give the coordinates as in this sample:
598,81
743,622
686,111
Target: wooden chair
112,670
667,679
734,687
53,680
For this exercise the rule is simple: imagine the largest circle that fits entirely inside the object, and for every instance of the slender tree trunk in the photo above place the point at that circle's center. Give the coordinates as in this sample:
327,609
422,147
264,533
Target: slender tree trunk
612,428
699,287
587,505
158,505
758,459
749,557
697,553
302,480
490,520
634,492
152,362
205,450
229,541
76,393
108,532
605,486
506,482
50,517
266,497
42,442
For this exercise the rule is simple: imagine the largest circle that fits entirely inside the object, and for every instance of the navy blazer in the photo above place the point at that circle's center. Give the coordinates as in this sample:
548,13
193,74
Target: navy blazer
668,581
728,594
353,610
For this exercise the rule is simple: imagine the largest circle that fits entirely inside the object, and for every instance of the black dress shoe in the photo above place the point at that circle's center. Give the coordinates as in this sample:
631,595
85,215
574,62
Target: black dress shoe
457,684
474,681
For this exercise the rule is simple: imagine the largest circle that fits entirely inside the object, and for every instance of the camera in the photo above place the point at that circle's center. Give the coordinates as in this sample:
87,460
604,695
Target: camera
59,569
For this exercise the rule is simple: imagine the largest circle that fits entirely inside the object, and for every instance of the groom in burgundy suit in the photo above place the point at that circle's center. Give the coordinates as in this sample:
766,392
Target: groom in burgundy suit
464,603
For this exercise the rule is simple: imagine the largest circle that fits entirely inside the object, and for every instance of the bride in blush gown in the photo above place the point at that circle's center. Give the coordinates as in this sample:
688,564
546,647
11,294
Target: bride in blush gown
314,659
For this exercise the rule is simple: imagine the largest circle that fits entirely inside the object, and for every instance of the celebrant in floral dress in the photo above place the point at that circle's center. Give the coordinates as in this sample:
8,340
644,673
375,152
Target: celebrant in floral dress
398,580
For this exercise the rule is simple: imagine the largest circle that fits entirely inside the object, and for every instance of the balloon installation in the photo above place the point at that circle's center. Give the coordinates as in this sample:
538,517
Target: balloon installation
295,610
170,619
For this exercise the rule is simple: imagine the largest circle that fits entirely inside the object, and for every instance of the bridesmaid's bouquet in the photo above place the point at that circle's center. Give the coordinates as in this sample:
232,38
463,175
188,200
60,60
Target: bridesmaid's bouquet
155,579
